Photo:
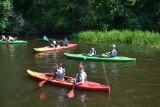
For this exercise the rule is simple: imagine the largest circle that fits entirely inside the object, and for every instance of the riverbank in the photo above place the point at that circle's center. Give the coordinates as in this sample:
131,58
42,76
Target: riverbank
136,37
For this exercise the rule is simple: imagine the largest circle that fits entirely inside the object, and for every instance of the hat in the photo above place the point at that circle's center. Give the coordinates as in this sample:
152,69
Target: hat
113,45
53,41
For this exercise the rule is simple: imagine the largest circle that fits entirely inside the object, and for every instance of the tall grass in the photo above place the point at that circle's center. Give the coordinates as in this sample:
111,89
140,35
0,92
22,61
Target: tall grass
136,37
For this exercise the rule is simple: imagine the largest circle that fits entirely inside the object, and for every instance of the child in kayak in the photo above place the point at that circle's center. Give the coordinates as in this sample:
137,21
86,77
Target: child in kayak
112,53
3,38
92,52
81,76
59,73
54,44
10,38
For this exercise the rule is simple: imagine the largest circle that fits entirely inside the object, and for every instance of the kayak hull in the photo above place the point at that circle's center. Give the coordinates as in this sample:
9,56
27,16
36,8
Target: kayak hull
99,58
87,86
47,48
13,42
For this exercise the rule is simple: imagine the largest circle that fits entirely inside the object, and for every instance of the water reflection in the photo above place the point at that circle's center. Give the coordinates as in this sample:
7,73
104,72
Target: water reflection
42,96
54,54
8,50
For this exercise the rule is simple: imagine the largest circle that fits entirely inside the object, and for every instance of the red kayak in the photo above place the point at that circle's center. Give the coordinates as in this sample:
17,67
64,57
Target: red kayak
87,86
47,48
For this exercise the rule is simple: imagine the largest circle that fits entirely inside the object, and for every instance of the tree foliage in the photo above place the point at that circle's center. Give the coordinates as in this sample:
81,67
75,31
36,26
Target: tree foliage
76,15
5,10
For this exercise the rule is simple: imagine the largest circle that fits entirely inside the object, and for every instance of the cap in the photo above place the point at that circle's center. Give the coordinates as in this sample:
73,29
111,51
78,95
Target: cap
113,45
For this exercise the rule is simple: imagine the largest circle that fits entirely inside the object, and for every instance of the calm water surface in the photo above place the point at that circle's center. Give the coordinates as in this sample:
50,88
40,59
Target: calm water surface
133,84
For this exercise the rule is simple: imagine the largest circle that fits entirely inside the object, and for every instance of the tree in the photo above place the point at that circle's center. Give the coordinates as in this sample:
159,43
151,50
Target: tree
5,11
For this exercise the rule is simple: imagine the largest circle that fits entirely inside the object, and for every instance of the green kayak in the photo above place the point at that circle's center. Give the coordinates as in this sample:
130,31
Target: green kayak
99,58
13,42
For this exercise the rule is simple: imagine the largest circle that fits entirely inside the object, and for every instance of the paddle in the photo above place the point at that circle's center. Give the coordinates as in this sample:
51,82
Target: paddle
46,39
71,93
42,83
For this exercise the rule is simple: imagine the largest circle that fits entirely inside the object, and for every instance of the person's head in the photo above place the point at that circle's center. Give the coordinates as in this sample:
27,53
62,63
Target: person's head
54,42
65,38
81,68
92,49
113,46
58,66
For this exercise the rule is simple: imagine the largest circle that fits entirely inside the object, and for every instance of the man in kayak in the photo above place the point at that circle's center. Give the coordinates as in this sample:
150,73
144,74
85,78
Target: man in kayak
92,52
112,53
65,42
81,76
60,72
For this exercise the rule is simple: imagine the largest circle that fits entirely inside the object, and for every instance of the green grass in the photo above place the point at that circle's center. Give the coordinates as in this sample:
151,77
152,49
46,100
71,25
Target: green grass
136,37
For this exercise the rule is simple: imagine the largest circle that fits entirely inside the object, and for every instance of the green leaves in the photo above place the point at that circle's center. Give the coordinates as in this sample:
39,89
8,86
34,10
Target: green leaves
5,10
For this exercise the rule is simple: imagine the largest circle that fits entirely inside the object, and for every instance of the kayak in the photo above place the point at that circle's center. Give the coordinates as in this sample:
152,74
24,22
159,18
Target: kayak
47,48
99,58
87,86
13,42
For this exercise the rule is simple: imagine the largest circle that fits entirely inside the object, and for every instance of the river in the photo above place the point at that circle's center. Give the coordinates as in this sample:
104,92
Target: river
133,84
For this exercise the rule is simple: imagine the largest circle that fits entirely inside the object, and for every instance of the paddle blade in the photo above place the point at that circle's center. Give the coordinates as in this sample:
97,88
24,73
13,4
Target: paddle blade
71,94
80,64
45,38
41,83
42,96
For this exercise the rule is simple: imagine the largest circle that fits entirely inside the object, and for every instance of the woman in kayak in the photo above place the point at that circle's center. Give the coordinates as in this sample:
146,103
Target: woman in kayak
81,76
112,53
92,52
60,72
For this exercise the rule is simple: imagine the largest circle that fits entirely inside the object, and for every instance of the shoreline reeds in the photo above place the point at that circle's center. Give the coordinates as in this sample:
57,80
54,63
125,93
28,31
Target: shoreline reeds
136,37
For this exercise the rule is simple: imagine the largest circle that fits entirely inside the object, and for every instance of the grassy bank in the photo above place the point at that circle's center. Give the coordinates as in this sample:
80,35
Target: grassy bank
125,36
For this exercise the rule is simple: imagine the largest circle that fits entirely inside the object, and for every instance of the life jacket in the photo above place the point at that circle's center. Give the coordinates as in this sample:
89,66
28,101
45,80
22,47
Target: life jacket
65,43
92,52
79,77
59,76
113,53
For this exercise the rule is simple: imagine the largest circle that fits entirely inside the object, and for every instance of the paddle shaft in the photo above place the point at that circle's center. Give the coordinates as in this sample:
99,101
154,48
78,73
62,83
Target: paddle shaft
71,93
105,74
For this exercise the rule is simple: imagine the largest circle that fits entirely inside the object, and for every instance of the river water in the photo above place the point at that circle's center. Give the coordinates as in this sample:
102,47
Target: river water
133,84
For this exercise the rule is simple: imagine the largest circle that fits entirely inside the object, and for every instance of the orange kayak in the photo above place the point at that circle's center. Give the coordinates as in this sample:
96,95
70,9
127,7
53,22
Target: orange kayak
87,86
47,48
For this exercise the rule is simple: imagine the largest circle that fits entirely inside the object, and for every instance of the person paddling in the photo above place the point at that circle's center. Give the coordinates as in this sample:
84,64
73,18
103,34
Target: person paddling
92,52
3,38
112,53
65,42
54,44
59,73
81,76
